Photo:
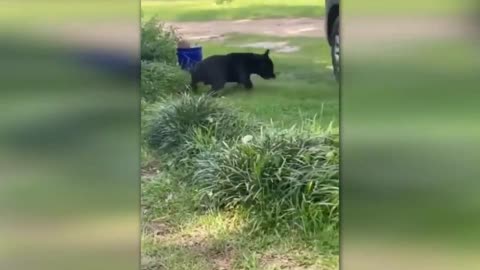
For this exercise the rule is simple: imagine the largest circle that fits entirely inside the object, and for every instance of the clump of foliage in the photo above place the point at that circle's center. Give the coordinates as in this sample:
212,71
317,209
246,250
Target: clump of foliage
158,43
279,177
174,124
159,79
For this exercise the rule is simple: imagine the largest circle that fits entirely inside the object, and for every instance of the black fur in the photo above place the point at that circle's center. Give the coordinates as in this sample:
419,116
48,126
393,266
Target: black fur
217,70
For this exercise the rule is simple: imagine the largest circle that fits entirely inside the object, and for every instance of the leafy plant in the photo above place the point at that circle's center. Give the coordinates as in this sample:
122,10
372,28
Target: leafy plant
158,43
279,176
159,79
175,125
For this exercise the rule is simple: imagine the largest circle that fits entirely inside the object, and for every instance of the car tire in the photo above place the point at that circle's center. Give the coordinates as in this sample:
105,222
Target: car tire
335,48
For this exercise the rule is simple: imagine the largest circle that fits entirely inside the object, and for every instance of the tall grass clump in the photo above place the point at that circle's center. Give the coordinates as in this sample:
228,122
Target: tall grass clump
160,79
280,177
181,126
158,43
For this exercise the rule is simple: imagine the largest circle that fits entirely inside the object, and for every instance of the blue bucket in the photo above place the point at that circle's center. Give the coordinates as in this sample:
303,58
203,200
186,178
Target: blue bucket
189,57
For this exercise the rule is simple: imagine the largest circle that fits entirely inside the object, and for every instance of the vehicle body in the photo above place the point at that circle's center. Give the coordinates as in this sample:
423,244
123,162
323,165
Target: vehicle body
332,30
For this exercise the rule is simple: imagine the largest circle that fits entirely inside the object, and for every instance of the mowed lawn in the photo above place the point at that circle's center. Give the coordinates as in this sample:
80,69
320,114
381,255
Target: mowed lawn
304,88
178,236
206,10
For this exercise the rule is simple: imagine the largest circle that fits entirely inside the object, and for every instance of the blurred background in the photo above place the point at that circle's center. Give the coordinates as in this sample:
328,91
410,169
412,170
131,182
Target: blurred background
409,135
69,134
69,125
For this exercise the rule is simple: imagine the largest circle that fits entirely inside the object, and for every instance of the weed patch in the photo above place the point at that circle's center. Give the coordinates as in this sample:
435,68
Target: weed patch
279,176
158,43
160,80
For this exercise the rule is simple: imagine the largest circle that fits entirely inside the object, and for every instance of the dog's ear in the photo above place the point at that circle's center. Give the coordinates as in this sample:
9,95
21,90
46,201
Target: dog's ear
266,52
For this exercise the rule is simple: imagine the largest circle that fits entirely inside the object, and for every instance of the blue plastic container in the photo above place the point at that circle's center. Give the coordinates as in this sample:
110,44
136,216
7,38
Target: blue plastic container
189,57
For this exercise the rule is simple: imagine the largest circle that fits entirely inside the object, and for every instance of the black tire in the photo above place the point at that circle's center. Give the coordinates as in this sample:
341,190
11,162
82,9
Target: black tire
335,48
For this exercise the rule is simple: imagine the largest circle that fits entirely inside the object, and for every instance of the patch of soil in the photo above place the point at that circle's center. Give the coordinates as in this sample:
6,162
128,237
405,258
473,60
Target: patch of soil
281,46
151,169
197,239
199,242
159,229
278,261
151,263
283,27
222,260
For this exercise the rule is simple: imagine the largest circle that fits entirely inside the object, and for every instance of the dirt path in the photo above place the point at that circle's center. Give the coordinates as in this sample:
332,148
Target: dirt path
197,31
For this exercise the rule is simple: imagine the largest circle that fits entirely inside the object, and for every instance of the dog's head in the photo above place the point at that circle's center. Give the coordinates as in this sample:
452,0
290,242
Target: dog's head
265,68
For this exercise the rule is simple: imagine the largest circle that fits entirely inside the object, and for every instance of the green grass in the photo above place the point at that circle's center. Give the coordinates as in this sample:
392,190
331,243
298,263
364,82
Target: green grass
304,88
205,10
177,235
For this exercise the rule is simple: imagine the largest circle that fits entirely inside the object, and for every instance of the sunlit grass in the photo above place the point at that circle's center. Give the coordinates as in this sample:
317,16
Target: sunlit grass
304,88
204,10
210,240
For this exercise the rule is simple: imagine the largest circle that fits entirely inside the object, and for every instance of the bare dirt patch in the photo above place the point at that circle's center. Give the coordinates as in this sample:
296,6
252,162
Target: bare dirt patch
201,242
159,228
151,263
275,261
197,241
217,30
281,47
150,171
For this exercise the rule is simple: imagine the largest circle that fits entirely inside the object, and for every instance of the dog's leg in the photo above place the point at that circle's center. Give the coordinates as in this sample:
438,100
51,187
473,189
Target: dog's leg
194,80
244,78
248,84
193,85
216,87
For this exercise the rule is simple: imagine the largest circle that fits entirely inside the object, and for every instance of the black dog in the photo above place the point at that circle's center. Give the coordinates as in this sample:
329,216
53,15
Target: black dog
217,70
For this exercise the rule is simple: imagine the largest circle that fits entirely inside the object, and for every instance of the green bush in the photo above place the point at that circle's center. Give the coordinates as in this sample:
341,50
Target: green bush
280,176
175,125
161,79
158,43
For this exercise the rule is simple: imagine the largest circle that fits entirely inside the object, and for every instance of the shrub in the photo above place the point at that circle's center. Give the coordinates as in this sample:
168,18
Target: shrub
161,79
158,43
174,126
279,176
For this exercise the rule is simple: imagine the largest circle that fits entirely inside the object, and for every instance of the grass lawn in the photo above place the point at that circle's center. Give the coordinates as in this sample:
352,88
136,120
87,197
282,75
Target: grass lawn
177,234
205,10
304,88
